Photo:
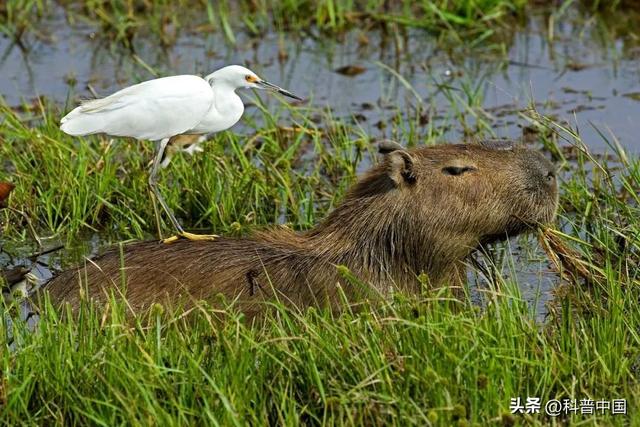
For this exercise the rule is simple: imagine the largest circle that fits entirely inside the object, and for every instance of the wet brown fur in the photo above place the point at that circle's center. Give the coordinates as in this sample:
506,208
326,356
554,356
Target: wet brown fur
419,211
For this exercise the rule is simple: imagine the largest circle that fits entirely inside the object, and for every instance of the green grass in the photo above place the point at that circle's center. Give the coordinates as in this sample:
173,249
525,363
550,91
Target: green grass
416,361
122,21
97,185
163,20
427,359
422,360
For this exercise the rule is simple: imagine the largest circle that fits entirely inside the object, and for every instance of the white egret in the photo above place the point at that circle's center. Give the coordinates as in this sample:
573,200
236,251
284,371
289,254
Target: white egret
163,110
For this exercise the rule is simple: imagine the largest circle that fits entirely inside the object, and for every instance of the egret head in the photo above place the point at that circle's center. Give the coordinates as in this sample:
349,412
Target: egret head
237,77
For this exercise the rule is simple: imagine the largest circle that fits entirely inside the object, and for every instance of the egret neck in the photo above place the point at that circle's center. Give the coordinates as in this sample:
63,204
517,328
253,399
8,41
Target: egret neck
226,109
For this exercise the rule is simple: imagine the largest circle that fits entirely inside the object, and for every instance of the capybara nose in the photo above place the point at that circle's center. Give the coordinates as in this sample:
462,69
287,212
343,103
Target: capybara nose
551,177
540,171
549,172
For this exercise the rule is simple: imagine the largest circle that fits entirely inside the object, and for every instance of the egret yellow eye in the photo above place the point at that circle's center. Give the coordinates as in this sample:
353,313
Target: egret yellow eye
251,79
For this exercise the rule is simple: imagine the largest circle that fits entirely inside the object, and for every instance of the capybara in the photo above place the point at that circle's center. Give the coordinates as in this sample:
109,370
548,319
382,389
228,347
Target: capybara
416,215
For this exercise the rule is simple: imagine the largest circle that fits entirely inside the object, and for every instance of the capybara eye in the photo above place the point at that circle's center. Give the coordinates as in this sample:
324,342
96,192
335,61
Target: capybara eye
457,170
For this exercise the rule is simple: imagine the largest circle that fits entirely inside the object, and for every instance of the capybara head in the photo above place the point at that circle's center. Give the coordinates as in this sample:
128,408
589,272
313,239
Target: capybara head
439,203
420,211
492,188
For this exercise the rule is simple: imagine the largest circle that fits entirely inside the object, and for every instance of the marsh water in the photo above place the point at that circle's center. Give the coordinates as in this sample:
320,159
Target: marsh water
582,73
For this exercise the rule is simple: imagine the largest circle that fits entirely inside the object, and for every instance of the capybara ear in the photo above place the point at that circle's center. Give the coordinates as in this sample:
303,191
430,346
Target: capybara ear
401,167
386,146
499,144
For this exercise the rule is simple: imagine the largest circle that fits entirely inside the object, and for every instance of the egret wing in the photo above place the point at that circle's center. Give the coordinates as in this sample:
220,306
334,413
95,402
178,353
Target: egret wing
152,110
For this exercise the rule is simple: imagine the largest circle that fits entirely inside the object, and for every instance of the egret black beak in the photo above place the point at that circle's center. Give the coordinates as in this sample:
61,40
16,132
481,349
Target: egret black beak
269,86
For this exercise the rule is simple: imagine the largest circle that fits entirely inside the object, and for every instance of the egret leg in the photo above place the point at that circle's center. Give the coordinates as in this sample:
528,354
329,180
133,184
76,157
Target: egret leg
156,214
153,183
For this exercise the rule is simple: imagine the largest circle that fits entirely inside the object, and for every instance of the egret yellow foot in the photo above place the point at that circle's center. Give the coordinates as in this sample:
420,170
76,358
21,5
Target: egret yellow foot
190,236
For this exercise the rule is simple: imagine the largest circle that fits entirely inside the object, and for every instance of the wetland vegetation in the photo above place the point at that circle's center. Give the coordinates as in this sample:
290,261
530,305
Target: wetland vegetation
562,77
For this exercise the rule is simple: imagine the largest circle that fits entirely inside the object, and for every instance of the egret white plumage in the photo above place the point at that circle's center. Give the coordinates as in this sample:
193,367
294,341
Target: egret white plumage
165,108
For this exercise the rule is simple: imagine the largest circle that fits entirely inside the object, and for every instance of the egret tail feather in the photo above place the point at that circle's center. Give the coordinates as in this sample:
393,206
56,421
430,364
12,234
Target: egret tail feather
77,123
